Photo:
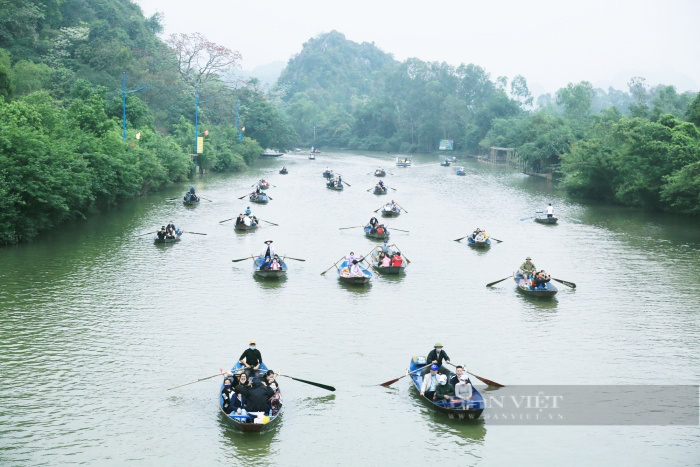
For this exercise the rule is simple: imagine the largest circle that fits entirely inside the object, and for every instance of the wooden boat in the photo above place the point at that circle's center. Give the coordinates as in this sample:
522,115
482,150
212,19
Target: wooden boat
445,163
478,244
344,274
191,201
270,153
380,173
461,171
252,423
380,236
269,273
178,234
245,228
391,212
380,191
263,185
546,220
262,198
312,157
387,270
403,161
463,410
334,186
524,288
328,174
284,172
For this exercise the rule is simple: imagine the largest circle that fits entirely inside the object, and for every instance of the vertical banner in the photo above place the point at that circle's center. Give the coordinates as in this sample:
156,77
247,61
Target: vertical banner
200,144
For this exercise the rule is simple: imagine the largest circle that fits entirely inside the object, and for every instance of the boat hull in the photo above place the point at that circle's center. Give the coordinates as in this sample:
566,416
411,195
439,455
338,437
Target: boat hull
523,287
469,410
260,199
375,235
158,241
378,191
245,228
269,273
190,203
335,188
283,172
461,174
395,270
379,174
546,220
474,244
356,280
445,164
391,213
246,425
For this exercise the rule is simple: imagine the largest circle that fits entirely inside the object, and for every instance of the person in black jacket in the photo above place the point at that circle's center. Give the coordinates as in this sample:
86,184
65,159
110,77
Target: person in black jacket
437,356
258,397
228,395
251,358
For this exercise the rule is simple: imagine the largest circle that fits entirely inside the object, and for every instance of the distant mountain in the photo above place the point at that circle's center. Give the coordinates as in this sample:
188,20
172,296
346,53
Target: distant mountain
267,74
331,69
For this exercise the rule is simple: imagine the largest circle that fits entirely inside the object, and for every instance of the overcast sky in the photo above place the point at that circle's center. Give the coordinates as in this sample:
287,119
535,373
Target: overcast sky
551,43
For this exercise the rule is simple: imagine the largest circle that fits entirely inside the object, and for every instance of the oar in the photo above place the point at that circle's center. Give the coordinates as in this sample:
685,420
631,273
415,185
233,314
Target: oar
526,218
147,233
334,264
206,198
392,381
400,230
566,283
295,259
346,182
370,189
461,238
195,233
496,282
242,259
483,380
270,197
402,208
499,241
243,196
353,227
171,199
404,256
392,188
221,222
200,379
322,386
379,207
574,219
269,222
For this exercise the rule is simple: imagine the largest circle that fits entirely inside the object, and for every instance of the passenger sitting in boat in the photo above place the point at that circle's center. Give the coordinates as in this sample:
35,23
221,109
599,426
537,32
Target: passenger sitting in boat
161,233
444,391
459,370
386,261
380,229
356,270
430,382
258,396
380,258
253,220
397,260
168,234
463,389
527,269
270,379
475,233
242,383
239,219
248,212
540,280
480,238
171,227
228,394
239,403
275,264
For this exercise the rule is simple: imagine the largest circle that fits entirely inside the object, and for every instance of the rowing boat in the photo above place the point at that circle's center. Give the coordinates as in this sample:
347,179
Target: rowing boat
445,163
312,157
192,201
523,286
546,220
394,211
344,274
263,185
380,190
380,173
178,234
478,244
252,422
462,410
284,171
328,174
334,186
379,236
245,227
262,198
390,269
403,162
461,171
269,273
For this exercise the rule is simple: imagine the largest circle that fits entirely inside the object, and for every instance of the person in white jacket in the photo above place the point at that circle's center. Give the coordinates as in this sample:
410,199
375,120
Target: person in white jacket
430,382
463,390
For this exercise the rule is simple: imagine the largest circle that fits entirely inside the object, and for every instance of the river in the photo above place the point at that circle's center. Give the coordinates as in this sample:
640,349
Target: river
96,323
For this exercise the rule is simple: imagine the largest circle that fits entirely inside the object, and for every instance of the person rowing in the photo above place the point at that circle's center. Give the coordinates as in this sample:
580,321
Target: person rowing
269,252
251,358
527,269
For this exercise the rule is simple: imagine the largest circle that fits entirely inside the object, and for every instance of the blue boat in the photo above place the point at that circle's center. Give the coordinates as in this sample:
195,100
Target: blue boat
475,244
344,274
273,273
524,287
462,410
261,198
252,422
461,171
178,234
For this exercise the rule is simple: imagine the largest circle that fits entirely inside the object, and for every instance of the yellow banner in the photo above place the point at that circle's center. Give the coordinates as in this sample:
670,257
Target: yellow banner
200,144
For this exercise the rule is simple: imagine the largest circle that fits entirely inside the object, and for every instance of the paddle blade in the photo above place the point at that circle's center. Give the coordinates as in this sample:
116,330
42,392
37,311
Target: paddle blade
487,381
496,282
566,283
391,381
319,385
460,239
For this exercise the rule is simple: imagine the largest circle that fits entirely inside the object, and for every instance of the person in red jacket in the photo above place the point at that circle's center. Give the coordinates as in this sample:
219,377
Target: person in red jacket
397,260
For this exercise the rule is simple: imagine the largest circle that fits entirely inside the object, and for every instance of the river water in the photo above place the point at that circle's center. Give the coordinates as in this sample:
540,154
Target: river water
96,324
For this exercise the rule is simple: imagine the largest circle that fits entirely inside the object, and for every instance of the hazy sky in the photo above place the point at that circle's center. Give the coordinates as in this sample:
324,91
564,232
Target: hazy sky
551,43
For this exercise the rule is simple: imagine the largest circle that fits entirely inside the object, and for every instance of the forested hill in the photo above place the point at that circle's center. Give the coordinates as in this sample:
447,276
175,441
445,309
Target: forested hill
332,70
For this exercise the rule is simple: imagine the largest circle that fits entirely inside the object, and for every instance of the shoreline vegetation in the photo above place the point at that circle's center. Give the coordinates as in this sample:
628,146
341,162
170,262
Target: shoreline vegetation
63,154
